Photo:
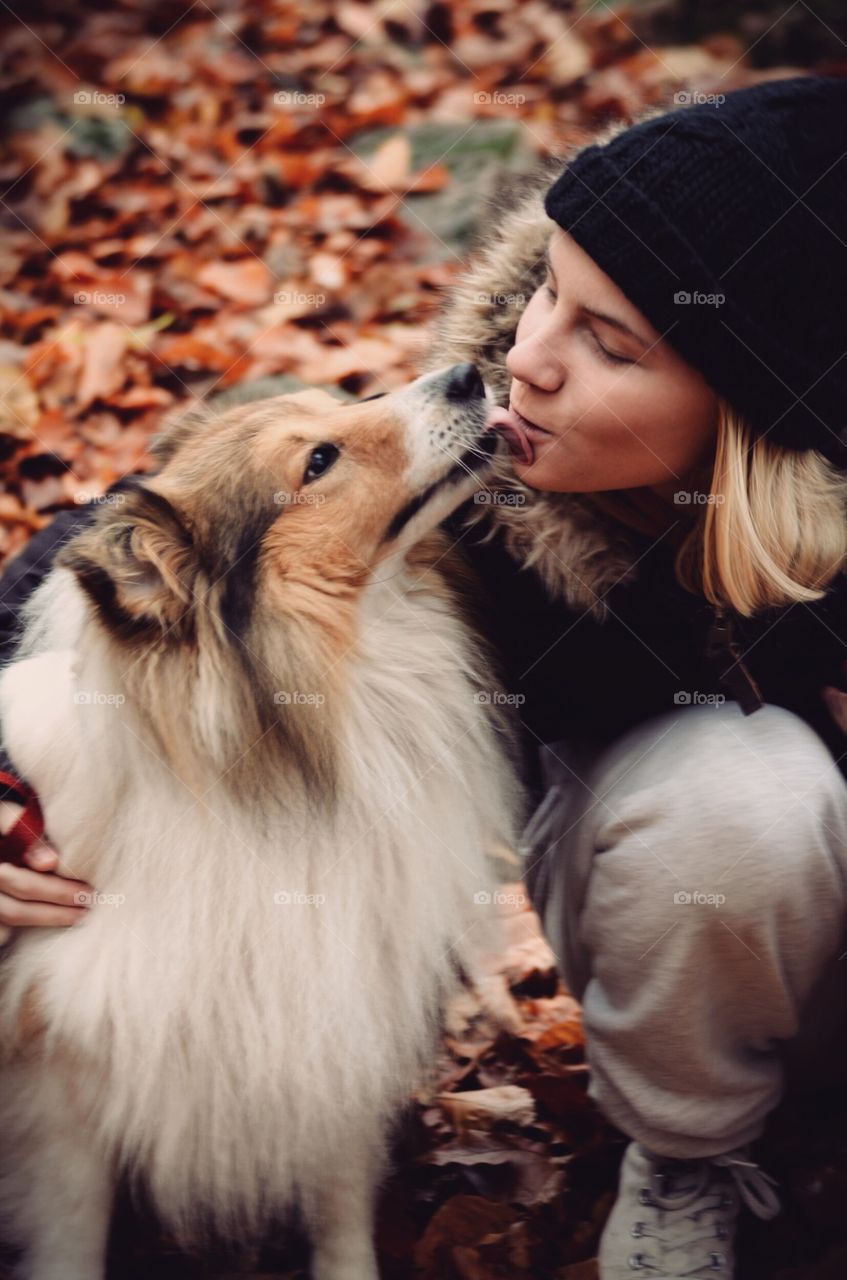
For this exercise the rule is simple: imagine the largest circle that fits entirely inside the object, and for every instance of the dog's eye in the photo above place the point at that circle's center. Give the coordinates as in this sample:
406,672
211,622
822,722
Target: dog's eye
320,460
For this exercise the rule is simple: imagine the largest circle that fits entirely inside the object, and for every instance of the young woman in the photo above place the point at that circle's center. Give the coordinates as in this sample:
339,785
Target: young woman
662,560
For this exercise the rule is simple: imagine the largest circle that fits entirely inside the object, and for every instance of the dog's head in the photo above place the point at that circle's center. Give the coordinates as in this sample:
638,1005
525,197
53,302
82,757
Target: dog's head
263,523
304,491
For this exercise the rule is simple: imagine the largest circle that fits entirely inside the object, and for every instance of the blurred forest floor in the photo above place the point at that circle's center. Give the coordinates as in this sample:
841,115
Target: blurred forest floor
193,198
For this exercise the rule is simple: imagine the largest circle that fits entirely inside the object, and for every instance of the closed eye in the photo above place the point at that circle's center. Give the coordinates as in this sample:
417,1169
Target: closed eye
604,354
321,459
601,351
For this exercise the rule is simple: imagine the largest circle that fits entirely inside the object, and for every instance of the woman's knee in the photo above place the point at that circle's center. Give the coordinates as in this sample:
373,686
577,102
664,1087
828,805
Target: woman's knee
718,809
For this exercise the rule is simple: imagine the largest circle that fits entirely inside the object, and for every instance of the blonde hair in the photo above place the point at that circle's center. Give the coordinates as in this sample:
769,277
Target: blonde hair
773,528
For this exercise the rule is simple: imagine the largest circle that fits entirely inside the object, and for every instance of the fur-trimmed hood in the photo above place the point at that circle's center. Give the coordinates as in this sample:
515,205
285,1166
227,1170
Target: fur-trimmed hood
578,551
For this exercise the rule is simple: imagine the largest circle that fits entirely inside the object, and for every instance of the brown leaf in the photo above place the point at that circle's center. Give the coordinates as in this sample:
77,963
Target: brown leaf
246,280
102,373
461,1220
388,167
140,398
19,409
484,1106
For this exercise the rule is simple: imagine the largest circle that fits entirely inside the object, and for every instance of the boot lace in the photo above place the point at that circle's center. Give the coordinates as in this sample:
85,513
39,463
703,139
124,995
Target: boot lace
693,1205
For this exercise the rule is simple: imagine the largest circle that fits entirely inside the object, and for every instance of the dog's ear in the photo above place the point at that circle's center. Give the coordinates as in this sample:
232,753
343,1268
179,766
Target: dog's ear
178,427
137,563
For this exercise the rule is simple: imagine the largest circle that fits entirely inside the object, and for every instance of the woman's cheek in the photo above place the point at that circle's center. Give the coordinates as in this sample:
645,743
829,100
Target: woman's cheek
631,404
590,392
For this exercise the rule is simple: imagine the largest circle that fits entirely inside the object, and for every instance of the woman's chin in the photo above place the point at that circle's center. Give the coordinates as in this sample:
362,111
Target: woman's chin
546,479
534,474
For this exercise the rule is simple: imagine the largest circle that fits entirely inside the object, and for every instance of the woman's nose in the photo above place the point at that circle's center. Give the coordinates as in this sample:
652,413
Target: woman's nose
533,360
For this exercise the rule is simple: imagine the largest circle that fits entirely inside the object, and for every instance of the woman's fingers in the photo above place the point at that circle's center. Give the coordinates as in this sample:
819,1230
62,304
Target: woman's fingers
28,896
16,914
41,857
32,897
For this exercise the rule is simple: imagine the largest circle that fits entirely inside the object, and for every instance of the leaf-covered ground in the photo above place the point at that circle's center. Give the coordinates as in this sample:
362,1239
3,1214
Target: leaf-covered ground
196,196
505,1169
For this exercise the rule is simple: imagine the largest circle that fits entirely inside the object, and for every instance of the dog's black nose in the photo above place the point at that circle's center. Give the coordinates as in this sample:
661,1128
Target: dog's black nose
463,382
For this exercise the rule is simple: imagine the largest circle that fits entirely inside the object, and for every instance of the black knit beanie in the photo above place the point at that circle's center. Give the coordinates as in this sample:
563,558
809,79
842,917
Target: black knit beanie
725,224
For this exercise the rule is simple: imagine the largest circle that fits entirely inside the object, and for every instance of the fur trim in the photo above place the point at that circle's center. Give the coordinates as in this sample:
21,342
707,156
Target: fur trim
578,551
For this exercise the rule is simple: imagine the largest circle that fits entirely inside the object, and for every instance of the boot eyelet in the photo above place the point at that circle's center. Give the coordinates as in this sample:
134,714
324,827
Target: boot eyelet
637,1229
718,1261
644,1196
636,1261
722,1231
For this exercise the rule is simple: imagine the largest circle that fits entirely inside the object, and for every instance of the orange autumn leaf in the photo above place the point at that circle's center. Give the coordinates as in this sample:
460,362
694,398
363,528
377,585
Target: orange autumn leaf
102,372
247,280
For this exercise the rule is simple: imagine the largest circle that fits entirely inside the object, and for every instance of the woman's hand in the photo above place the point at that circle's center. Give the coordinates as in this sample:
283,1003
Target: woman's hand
33,894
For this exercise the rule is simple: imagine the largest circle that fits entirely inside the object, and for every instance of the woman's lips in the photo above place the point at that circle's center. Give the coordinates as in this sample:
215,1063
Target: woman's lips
517,431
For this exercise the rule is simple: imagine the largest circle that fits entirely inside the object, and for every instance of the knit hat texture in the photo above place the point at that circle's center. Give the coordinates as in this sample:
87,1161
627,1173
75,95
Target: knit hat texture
725,224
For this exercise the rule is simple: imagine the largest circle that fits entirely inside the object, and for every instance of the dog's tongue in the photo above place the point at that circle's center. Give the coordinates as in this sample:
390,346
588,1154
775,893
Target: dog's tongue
509,426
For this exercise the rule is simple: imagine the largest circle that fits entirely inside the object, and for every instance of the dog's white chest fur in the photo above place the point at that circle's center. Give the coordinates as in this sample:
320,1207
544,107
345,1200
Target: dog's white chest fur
252,990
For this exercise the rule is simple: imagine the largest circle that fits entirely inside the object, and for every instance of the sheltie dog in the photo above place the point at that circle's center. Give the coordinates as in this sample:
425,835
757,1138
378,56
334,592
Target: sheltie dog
260,725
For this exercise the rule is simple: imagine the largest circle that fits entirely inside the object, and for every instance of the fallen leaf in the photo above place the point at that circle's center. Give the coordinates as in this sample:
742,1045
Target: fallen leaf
19,408
508,1102
102,372
246,281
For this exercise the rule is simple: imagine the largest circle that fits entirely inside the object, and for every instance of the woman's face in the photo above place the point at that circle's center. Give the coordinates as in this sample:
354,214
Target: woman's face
619,407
